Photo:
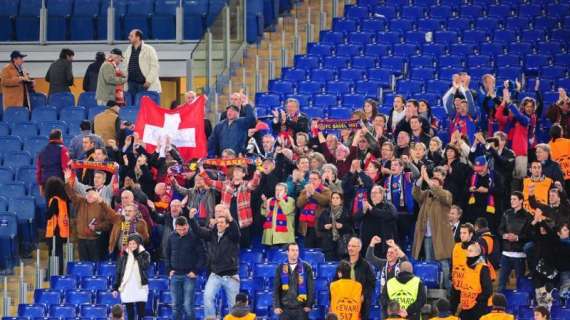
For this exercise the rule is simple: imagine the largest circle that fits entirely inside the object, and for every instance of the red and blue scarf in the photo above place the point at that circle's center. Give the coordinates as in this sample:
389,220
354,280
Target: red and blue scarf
358,203
490,200
281,222
301,284
310,209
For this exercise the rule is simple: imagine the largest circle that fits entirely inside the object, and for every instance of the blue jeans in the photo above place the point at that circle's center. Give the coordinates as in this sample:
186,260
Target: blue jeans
230,284
182,290
429,253
135,88
507,265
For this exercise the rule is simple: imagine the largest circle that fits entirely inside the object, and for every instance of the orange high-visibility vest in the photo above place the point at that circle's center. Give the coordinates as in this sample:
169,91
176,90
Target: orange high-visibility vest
459,257
490,247
560,152
61,219
498,315
540,192
346,299
471,287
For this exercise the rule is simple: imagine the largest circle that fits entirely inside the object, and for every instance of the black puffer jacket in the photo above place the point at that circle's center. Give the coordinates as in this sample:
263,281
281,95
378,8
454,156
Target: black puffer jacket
517,223
223,255
143,259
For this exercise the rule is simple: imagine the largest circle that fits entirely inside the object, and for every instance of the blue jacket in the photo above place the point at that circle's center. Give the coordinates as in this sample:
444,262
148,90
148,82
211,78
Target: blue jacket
232,135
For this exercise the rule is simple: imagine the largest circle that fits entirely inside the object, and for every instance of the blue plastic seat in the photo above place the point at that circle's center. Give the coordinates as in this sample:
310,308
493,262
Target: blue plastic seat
81,268
474,36
357,12
313,256
34,145
388,37
94,283
82,28
562,59
309,87
107,298
351,74
323,75
429,24
550,48
353,100
280,87
63,283
450,61
552,72
155,96
445,37
434,49
544,22
373,25
27,27
401,25
341,24
441,12
314,112
94,311
488,24
324,100
306,61
47,126
338,87
318,49
264,270
30,8
6,176
61,100
387,12
423,61
246,284
336,62
364,62
382,76
376,50
561,35
293,74
458,25
471,11
409,86
348,49
63,311
448,72
405,49
158,283
18,159
491,49
72,114
504,36
507,60
26,174
415,37
24,129
369,88
38,99
536,61
529,10
520,48
13,115
412,12
500,11
516,23
422,73
393,63
47,296
31,310
327,270
509,72
267,99
78,297
107,269
129,113
429,272
46,113
437,86
4,128
461,49
516,299
533,35
263,302
478,61
10,143
332,37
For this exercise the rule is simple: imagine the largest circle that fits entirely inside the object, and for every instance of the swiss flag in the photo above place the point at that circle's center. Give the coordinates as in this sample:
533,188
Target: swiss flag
184,126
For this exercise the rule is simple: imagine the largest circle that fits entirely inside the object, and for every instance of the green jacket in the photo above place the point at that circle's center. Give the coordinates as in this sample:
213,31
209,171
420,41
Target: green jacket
106,82
272,237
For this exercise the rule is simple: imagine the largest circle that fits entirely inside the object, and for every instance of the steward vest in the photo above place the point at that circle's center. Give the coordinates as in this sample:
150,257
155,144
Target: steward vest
560,152
346,299
405,294
489,254
540,193
498,315
249,316
61,219
459,259
471,287
445,318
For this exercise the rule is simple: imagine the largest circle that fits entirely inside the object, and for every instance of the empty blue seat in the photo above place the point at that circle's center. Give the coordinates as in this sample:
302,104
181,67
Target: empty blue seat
405,49
33,145
448,72
263,302
267,99
415,37
409,86
500,11
471,11
61,100
491,49
264,270
63,283
37,99
507,60
533,35
280,87
31,310
488,24
313,256
516,299
422,73
18,159
369,88
78,297
4,128
293,74
549,47
353,100
93,111
10,143
24,129
529,10
250,256
357,12
373,25
155,96
324,100
504,36
63,310
348,49
341,24
388,37
341,113
351,74
107,269
516,23
158,283
107,298
6,176
552,72
27,27
401,25
306,61
461,49
393,63
412,12
46,127
450,61
382,76
332,37
8,241
424,61
364,62
387,12
429,272
72,114
376,50
327,270
338,87
441,12
94,283
474,36
26,174
509,72
437,86
47,296
13,115
336,62
434,49
129,113
318,49
309,87
520,48
46,113
323,75
445,37
30,8
82,28
314,112
429,24
94,311
536,61
458,25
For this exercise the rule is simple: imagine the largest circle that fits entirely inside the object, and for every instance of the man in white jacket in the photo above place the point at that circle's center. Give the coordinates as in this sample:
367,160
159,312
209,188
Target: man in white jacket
142,67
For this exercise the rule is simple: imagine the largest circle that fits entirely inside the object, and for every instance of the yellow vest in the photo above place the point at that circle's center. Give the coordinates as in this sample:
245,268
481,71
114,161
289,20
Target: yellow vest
541,191
61,219
405,294
346,299
446,318
498,315
471,287
249,316
560,152
459,260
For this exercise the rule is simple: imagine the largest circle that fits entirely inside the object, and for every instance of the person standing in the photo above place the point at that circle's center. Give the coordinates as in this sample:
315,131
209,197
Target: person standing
279,213
231,133
60,73
223,257
476,287
407,289
111,79
57,217
361,271
130,222
16,84
131,279
389,266
312,201
142,69
52,160
333,224
459,261
293,287
200,197
184,257
92,73
346,294
107,124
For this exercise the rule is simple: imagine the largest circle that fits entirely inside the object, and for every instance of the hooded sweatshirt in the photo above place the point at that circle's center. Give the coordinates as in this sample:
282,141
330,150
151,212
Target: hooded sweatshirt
240,311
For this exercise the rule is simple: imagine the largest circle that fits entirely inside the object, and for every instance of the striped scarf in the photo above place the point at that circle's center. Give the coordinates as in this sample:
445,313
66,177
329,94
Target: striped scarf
281,222
358,203
490,200
301,286
309,210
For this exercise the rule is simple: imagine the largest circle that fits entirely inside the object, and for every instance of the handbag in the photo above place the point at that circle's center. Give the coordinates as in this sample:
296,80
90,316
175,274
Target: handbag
546,270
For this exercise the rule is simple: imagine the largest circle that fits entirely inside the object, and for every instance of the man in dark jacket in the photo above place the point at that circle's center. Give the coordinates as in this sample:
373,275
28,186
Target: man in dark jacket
292,121
502,161
407,289
184,257
362,272
293,287
92,73
223,257
231,133
60,74
550,168
52,160
515,232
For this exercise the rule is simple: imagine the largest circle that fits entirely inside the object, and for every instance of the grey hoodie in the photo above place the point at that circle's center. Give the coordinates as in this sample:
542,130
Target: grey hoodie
240,310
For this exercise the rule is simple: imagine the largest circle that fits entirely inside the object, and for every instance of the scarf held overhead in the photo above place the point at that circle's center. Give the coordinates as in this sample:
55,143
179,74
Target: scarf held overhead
281,218
94,165
301,283
338,124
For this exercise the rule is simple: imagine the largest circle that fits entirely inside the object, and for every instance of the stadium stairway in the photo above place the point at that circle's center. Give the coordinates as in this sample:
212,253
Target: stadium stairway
240,80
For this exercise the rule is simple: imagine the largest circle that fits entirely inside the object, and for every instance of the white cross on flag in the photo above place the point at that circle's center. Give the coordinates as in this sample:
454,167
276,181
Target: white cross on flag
184,126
